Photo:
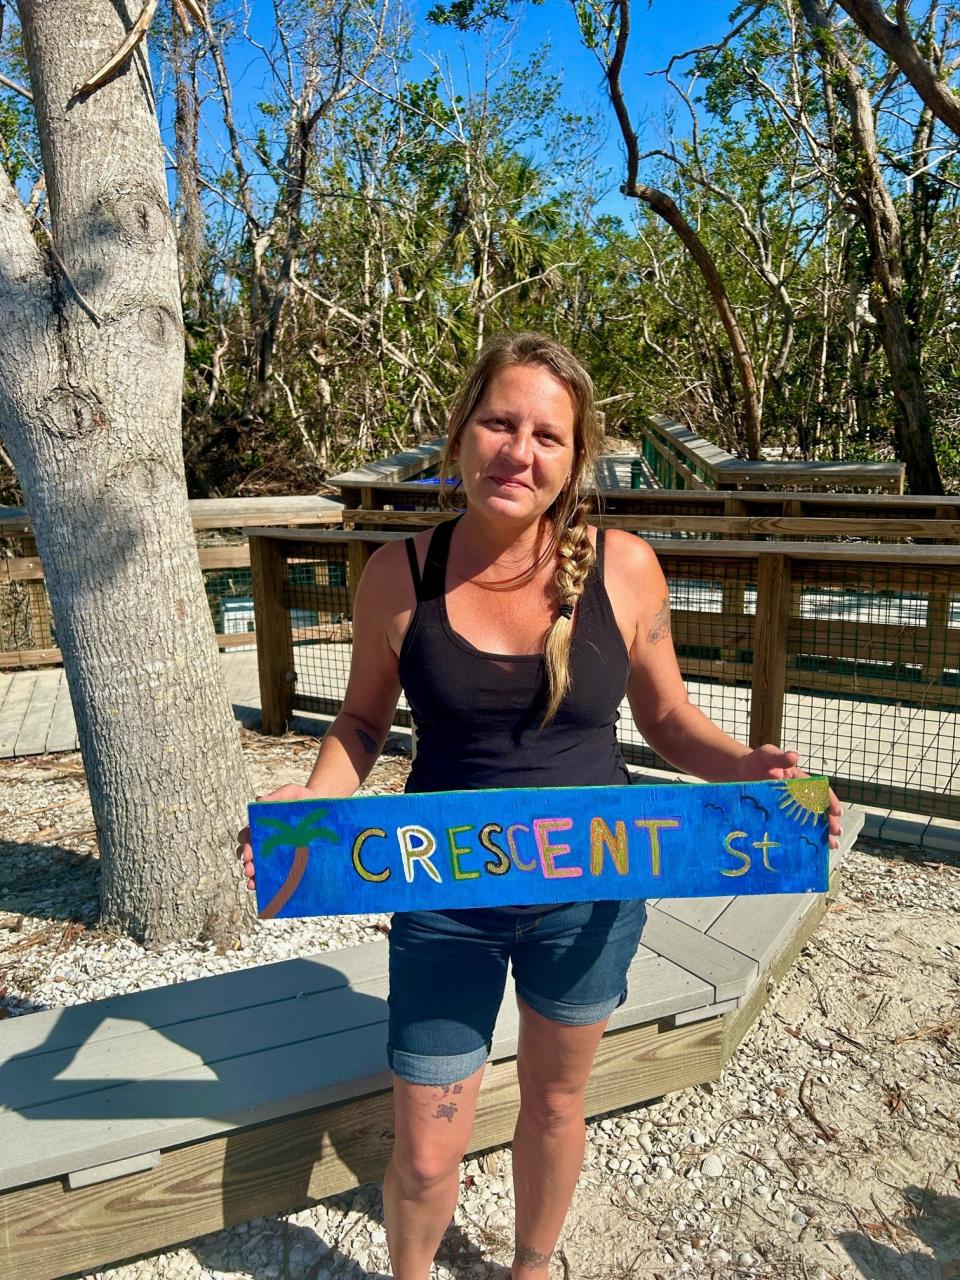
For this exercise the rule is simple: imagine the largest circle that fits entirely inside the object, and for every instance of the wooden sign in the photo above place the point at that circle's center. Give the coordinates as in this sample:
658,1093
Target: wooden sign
523,847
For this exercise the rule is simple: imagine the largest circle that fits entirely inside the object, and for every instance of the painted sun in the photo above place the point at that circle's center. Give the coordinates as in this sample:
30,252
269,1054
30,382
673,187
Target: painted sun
807,796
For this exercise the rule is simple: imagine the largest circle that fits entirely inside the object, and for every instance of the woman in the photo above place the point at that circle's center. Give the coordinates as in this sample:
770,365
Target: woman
514,632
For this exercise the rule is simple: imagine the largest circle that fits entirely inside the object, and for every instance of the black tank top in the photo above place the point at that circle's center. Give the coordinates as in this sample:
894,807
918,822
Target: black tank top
478,715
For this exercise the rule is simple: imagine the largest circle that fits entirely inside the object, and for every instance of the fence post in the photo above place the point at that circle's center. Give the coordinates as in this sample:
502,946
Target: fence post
268,569
358,553
938,618
734,614
770,648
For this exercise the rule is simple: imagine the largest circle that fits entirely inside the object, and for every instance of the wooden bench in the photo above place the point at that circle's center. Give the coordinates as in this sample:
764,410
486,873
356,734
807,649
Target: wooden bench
131,1124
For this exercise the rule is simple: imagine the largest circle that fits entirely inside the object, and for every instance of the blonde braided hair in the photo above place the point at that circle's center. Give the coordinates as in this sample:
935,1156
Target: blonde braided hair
569,540
575,557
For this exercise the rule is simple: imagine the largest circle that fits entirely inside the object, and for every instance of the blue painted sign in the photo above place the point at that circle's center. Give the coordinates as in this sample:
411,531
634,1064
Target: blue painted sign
524,847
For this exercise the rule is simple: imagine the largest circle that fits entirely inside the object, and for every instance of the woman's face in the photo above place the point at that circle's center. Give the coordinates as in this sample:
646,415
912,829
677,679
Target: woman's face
516,450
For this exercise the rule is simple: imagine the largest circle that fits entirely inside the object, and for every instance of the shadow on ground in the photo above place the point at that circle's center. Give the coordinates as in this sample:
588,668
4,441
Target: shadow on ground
49,882
935,1220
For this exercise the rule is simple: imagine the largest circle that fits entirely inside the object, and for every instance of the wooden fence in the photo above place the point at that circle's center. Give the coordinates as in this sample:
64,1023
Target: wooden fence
612,494
26,631
27,636
850,654
680,459
685,523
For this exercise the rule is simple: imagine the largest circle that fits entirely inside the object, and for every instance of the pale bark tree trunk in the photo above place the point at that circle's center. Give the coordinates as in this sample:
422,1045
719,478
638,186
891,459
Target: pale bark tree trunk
91,367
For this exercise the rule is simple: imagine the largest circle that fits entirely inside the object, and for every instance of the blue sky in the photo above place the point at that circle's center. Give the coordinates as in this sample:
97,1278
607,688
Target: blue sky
658,31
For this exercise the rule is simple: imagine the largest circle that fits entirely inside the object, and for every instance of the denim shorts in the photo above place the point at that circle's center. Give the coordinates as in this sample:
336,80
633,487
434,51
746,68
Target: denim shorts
448,971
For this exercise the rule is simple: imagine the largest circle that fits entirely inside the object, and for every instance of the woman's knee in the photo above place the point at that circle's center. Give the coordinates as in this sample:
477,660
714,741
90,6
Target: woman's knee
551,1108
423,1164
432,1126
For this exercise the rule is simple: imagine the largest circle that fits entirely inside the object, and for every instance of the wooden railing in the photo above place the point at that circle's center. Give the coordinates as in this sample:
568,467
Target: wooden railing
613,494
680,459
859,528
357,486
850,654
27,636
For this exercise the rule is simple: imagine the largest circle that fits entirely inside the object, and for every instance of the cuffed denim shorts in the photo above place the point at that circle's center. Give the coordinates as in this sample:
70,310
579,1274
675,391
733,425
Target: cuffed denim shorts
448,971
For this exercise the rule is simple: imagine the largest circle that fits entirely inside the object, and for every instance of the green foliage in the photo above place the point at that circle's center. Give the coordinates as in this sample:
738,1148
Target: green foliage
437,214
474,15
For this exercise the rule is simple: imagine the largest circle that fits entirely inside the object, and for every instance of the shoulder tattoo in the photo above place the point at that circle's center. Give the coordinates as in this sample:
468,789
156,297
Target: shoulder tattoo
660,627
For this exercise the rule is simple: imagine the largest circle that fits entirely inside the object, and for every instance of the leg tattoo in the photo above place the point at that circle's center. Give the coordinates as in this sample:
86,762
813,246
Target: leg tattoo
524,1256
446,1089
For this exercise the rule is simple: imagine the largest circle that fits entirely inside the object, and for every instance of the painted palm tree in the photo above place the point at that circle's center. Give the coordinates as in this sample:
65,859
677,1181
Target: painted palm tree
297,836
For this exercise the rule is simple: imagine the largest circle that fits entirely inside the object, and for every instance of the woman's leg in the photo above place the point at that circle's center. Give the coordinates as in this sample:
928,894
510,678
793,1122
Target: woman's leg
447,974
422,1182
553,1066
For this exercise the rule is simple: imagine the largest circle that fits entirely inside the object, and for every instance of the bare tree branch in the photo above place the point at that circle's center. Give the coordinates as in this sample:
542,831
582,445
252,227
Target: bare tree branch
122,52
896,41
17,88
666,208
713,48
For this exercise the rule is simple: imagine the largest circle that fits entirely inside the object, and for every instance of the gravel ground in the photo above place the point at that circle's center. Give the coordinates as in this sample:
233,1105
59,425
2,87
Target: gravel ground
829,1148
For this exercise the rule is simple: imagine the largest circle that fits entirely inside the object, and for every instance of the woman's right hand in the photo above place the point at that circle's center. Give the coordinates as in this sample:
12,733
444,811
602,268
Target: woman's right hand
291,791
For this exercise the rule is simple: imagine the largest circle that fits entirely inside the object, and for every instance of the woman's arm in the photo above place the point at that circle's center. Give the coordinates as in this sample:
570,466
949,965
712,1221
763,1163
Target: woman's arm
353,742
382,609
667,720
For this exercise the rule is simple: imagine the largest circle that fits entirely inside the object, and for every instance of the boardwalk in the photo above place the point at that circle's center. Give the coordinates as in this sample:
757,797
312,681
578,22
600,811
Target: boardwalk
839,736
36,715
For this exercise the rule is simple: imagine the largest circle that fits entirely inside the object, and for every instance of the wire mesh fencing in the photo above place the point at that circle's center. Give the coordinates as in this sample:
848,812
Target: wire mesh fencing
873,680
712,612
866,679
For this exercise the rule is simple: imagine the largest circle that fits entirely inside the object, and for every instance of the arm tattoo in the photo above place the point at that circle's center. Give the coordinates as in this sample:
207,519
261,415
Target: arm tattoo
660,627
524,1256
366,741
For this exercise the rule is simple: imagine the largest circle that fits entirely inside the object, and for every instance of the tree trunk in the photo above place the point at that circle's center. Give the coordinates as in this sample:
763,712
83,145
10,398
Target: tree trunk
913,422
898,44
91,368
665,207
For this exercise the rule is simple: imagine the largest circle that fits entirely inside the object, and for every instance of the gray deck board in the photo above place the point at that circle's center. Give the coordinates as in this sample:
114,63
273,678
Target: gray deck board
729,972
186,1105
35,730
63,724
6,681
128,1038
15,709
698,912
79,1079
99,1021
759,926
116,1086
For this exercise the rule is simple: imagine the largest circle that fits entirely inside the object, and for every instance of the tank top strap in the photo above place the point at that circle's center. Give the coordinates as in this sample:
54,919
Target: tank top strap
599,554
434,579
411,546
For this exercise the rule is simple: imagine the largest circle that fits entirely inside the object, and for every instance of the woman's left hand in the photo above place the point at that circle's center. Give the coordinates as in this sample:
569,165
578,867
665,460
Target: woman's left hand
769,762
